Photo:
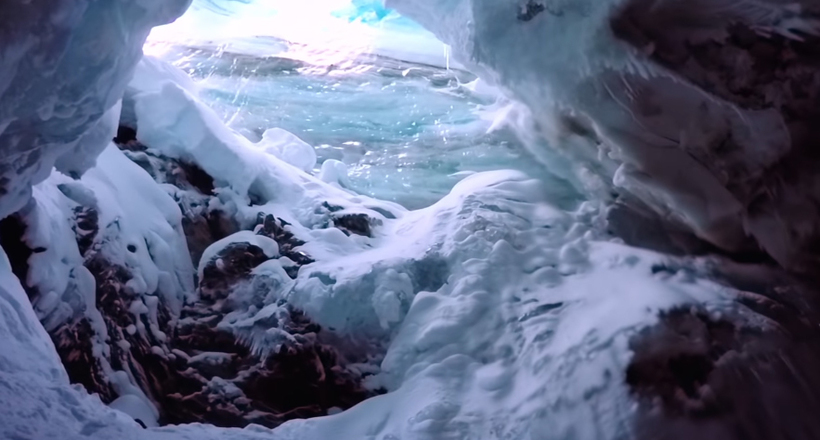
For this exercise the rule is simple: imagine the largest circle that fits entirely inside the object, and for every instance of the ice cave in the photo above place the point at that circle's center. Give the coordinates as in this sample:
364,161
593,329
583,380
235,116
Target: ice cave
409,219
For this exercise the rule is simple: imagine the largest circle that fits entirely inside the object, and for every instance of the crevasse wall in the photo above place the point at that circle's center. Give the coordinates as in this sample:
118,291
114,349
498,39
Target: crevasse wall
702,110
63,67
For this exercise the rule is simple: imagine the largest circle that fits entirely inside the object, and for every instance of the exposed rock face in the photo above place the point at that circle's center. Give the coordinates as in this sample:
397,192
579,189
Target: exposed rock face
729,377
212,376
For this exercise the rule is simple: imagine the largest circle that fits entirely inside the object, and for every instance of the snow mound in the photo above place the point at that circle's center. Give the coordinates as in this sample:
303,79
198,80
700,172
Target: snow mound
289,148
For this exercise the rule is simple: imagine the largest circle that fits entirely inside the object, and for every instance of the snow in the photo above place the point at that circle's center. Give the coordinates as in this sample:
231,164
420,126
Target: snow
137,409
289,148
493,304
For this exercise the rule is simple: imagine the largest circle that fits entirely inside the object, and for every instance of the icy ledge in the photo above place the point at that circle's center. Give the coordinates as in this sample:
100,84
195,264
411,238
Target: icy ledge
702,111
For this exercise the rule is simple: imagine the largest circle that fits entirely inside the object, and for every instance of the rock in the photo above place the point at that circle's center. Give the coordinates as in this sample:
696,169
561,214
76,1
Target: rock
697,375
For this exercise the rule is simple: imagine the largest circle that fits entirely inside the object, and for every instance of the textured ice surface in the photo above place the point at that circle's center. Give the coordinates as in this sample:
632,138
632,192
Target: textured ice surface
404,130
407,129
65,64
503,315
652,96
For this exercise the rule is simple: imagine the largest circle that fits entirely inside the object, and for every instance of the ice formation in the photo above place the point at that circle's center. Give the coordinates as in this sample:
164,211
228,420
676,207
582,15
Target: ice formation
681,105
491,314
59,84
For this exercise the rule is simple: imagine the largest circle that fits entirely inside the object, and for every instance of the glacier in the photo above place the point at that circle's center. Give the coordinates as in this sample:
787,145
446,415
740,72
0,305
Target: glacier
135,273
612,81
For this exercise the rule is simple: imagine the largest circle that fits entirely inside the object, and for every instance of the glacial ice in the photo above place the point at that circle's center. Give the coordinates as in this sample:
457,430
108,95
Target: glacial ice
611,82
57,85
477,298
501,314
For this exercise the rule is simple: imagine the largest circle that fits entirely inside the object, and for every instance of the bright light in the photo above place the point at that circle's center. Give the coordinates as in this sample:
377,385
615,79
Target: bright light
328,34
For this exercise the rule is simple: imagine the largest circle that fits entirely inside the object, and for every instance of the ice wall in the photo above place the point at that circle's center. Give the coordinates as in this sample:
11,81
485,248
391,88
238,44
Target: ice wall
64,65
701,110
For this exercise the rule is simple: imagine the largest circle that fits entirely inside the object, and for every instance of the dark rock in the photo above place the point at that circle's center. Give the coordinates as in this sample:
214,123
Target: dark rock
531,10
12,231
746,73
125,135
274,228
237,261
74,346
86,226
203,229
697,376
331,208
359,224
197,177
304,379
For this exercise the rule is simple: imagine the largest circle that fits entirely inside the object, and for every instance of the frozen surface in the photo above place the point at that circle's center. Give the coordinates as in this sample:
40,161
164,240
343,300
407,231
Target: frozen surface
407,129
621,87
503,311
65,64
